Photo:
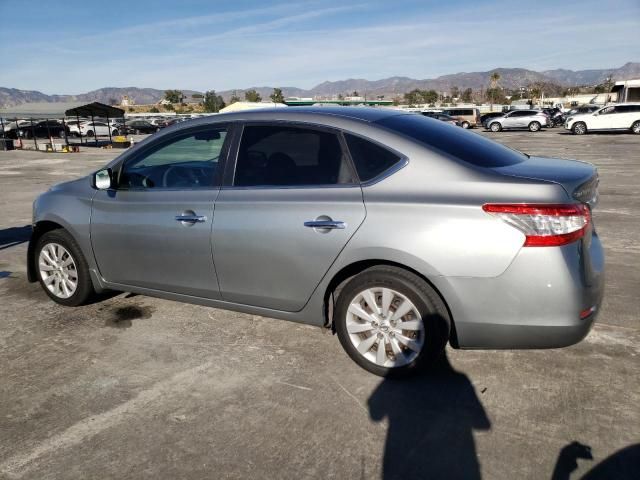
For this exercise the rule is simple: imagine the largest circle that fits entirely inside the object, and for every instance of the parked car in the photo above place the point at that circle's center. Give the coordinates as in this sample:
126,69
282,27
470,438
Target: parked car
583,109
91,129
533,120
443,118
467,116
41,129
487,116
139,127
620,117
171,121
434,234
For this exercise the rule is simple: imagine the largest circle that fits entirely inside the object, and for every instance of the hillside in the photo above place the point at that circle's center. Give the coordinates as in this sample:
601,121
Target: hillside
389,87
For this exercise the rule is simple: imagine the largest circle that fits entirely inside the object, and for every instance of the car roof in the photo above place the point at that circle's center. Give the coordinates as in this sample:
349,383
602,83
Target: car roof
366,114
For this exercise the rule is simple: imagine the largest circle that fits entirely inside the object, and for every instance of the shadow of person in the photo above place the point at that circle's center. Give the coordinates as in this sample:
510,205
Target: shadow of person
431,422
14,236
622,465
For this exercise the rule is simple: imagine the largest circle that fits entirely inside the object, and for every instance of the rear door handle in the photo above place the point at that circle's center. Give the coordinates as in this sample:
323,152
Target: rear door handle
326,224
191,219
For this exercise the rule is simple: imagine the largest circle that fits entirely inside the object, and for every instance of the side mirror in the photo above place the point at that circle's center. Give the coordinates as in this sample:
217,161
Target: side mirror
103,179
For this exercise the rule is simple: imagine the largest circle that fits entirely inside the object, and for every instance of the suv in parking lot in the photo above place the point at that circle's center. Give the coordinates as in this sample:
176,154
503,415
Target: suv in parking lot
623,116
533,120
396,231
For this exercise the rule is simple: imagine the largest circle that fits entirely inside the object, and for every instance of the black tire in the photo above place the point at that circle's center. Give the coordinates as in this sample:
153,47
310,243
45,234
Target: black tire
433,312
579,128
635,128
115,133
89,133
535,127
465,125
495,127
84,290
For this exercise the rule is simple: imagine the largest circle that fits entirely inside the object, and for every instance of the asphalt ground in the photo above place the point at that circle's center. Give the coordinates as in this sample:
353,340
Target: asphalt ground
137,387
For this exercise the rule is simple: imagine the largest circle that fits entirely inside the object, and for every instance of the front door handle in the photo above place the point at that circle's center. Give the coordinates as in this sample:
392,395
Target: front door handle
326,224
189,217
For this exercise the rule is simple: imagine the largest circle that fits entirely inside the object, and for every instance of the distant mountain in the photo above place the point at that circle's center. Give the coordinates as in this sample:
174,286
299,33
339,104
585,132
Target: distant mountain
593,77
389,87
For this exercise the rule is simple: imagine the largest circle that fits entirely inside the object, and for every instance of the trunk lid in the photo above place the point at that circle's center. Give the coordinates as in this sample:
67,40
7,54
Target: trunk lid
579,179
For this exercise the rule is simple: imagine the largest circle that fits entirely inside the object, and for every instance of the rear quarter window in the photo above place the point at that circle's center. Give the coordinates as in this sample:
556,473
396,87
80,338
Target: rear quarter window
462,144
370,159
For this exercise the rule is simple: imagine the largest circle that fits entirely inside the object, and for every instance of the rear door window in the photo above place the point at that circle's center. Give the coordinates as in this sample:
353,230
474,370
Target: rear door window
370,159
284,155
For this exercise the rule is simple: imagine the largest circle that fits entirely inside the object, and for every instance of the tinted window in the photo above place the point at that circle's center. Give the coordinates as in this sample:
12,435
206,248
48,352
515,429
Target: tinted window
464,145
189,160
370,159
290,156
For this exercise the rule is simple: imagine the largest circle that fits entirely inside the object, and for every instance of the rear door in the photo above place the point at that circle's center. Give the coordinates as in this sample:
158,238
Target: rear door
289,207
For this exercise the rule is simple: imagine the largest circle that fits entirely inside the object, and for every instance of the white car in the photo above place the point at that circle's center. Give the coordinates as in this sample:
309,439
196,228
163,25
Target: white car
622,116
90,129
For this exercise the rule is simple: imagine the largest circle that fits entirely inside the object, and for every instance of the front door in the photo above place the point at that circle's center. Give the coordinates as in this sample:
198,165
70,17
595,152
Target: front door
293,206
154,230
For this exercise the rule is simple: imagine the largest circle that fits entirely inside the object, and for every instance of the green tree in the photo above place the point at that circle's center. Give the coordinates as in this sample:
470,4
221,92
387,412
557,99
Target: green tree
413,97
355,94
154,110
455,92
467,95
173,96
277,96
429,96
169,107
252,96
213,102
234,98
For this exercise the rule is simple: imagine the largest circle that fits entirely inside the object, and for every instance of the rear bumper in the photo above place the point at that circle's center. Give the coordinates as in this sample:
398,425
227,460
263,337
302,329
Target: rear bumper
537,302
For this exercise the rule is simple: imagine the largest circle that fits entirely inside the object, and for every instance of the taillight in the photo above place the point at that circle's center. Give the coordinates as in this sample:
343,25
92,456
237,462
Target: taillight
544,225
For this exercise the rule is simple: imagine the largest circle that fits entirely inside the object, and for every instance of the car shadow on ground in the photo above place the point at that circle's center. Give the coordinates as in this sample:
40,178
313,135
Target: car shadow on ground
431,423
622,465
12,236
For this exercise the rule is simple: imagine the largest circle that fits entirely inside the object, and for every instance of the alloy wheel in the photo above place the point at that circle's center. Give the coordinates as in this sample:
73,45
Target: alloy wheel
58,270
385,327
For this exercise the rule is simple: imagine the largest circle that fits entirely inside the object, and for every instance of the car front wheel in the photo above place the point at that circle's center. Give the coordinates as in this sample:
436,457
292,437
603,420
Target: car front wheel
579,128
495,127
635,128
465,125
391,322
62,269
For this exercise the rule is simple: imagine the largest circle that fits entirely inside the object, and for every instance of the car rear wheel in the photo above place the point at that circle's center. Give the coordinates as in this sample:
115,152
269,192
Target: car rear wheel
114,133
89,133
465,125
534,126
635,128
495,127
579,128
63,271
391,322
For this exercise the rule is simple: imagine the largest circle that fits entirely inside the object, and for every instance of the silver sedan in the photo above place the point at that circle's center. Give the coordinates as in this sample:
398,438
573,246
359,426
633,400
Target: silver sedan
398,232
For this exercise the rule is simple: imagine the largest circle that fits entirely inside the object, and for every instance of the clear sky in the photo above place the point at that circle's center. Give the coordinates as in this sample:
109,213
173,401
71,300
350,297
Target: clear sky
69,46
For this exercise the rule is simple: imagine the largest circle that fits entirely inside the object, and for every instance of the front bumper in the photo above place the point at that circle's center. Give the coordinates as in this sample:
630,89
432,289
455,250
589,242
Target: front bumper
537,302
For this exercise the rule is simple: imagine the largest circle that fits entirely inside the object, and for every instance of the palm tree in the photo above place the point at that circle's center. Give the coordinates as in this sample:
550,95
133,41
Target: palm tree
495,77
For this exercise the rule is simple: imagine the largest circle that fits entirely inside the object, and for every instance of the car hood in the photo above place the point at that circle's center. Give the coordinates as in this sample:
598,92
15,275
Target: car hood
571,174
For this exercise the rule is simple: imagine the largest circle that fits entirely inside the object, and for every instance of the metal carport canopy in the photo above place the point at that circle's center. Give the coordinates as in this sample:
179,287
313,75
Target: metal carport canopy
95,109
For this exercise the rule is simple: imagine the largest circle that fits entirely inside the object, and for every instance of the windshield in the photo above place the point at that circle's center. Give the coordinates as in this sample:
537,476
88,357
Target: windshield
467,146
